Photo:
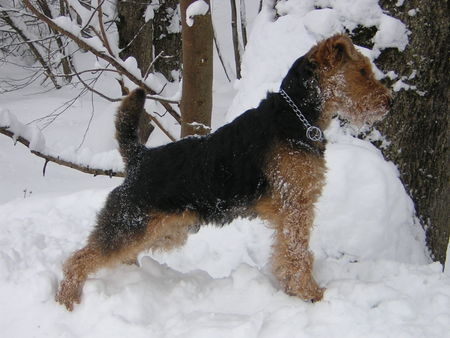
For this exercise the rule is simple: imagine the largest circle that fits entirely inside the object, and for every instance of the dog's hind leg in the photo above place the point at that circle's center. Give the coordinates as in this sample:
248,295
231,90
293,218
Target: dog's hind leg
119,233
122,231
88,260
76,270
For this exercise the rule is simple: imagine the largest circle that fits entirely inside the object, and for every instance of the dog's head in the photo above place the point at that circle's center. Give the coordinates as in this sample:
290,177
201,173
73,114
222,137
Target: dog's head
347,83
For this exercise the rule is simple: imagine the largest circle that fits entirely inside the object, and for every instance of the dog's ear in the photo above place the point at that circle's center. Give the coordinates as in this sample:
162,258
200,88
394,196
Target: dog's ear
333,51
343,49
300,71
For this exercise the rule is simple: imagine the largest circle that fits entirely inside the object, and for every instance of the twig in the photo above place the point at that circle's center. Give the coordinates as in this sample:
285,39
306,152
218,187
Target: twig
89,122
96,91
219,53
161,99
91,17
151,64
160,126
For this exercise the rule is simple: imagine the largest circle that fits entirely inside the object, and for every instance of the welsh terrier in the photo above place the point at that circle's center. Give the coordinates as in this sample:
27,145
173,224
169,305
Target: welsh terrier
267,163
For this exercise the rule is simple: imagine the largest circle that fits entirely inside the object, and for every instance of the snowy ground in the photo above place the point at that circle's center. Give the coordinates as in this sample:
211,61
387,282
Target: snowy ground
370,252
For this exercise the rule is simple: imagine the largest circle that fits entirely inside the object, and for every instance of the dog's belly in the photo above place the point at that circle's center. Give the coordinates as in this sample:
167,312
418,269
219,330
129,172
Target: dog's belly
216,196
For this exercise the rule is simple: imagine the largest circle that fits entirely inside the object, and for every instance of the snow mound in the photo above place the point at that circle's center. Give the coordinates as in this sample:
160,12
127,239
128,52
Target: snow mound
364,211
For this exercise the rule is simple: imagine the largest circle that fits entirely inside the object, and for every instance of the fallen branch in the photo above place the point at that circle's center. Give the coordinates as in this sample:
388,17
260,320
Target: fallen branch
49,158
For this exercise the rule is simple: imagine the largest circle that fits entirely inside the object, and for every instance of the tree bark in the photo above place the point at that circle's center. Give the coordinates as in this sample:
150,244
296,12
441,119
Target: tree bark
418,126
167,39
135,35
196,101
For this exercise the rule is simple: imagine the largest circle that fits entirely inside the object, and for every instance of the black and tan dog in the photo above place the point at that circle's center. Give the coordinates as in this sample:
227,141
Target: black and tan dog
268,162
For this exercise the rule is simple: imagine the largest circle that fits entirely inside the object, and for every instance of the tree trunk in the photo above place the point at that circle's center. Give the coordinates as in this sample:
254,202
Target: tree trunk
135,35
196,101
167,39
418,124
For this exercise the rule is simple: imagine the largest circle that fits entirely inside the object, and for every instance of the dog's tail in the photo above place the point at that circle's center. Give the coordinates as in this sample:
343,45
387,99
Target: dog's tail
127,121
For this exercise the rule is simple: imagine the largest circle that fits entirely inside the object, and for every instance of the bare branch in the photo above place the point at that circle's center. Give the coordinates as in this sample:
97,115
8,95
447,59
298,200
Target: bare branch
102,55
155,120
32,47
102,28
243,22
237,53
160,126
219,54
51,37
96,91
162,99
152,63
65,61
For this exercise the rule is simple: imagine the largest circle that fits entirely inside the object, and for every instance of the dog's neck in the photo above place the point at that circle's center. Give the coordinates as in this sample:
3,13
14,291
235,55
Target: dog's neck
301,85
313,133
300,97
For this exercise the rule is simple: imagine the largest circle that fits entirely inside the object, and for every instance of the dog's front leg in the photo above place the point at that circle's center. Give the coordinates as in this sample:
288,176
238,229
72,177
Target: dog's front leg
296,179
292,260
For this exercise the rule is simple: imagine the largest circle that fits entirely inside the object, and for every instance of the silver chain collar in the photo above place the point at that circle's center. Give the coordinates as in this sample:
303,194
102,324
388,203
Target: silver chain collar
312,132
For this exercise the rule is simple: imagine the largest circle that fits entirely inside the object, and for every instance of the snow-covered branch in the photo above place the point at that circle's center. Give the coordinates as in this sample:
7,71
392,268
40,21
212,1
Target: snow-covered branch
32,138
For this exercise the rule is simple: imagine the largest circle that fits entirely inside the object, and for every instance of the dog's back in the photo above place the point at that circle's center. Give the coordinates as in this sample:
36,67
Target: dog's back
215,175
220,175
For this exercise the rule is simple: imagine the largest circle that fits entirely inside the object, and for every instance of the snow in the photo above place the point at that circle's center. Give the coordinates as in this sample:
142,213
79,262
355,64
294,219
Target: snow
31,133
149,13
384,39
322,23
198,7
369,247
400,85
175,21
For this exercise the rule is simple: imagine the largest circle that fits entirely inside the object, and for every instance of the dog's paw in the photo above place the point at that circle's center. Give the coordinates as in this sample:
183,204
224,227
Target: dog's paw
317,295
68,294
306,289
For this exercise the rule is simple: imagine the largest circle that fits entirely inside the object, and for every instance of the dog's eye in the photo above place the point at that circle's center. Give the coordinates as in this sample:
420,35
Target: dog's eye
363,72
